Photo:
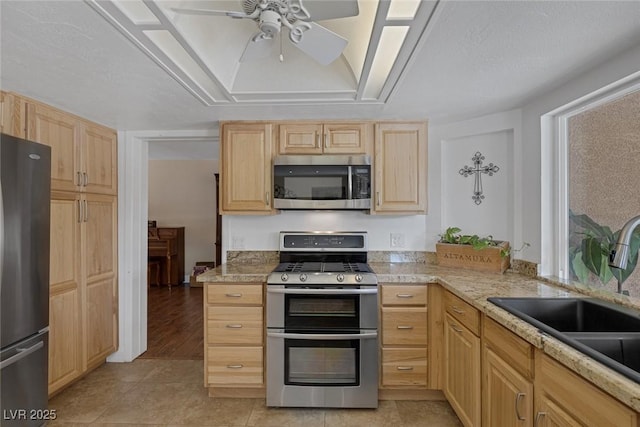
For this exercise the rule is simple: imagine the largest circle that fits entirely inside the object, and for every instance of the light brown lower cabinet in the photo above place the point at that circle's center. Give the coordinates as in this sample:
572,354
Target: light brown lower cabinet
565,399
83,284
234,339
507,384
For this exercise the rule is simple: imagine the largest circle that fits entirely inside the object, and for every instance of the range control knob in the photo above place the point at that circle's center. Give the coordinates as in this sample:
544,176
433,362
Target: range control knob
358,278
340,277
303,277
284,277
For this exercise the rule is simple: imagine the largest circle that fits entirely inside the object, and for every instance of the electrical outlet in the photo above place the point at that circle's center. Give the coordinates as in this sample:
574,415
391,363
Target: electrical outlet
397,240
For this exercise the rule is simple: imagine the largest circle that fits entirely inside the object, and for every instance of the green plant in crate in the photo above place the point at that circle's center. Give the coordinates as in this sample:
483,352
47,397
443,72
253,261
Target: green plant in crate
452,235
589,246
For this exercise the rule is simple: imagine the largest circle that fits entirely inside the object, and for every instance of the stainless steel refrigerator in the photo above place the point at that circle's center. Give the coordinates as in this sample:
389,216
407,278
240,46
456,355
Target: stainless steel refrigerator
24,287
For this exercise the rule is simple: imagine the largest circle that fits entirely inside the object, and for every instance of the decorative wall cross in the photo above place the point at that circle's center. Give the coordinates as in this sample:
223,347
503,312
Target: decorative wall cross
477,169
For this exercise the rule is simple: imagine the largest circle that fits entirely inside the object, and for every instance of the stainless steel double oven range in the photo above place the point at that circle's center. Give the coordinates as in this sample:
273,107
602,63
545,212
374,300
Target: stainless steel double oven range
322,321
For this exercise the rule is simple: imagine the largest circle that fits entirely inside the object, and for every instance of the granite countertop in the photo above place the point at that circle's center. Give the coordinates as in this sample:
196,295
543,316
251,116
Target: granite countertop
475,287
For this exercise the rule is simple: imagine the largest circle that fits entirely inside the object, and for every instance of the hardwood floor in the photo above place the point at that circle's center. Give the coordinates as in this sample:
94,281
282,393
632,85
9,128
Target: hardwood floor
174,325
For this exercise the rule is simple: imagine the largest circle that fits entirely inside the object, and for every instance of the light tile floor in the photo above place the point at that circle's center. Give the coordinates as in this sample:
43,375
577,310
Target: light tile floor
153,392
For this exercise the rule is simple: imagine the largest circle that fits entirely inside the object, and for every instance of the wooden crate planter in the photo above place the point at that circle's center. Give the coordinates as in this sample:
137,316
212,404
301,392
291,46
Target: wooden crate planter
465,256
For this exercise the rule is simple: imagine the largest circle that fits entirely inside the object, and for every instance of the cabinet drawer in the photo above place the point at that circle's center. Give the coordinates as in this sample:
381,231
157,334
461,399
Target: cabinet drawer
509,347
463,312
404,295
404,326
234,366
234,325
235,294
404,367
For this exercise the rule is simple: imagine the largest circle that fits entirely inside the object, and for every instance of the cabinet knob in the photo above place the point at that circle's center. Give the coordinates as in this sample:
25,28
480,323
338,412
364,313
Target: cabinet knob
539,416
519,397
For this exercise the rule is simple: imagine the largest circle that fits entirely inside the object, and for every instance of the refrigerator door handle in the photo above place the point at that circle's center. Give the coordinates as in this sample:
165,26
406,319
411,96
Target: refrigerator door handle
22,353
1,234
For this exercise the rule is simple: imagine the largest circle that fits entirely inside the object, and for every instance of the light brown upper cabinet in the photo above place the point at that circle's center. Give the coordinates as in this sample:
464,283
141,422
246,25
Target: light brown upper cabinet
324,138
12,115
400,168
246,151
83,154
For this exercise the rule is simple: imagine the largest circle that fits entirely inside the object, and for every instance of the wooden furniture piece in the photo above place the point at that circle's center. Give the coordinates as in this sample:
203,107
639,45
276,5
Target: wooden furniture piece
83,305
565,399
507,377
400,168
166,246
404,336
462,359
12,115
218,243
234,339
327,138
246,150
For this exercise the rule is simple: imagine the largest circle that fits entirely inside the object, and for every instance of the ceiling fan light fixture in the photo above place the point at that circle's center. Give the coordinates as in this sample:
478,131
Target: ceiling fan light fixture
270,23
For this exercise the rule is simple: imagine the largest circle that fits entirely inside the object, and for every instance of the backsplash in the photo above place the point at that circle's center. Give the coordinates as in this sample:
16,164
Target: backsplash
421,257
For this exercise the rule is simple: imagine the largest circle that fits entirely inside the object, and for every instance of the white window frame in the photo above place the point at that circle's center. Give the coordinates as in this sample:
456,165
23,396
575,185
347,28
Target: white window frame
555,171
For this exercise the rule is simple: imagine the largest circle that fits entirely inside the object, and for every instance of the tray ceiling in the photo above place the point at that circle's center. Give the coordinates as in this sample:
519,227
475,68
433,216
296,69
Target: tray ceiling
202,52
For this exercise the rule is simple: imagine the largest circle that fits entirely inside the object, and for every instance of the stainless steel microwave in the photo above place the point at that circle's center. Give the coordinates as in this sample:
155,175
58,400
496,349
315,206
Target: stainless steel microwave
322,182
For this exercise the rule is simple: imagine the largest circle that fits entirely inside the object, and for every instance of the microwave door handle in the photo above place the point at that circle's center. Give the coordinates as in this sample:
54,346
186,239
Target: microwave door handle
349,183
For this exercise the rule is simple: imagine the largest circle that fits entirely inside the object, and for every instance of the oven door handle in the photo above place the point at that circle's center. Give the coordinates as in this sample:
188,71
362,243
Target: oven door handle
365,335
323,291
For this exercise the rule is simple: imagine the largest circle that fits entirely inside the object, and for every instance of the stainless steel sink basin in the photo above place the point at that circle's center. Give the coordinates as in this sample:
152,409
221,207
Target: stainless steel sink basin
604,331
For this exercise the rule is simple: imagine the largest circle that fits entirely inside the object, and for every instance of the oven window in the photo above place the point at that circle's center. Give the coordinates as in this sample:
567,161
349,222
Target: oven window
321,311
322,362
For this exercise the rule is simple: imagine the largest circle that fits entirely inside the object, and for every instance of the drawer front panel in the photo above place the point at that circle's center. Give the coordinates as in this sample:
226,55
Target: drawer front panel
404,295
234,325
404,326
234,294
463,312
509,346
234,366
404,367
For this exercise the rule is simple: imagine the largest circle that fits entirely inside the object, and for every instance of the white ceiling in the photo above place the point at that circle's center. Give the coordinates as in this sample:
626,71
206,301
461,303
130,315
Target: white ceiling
474,58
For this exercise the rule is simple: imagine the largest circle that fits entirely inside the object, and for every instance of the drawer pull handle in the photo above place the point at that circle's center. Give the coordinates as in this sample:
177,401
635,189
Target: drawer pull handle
233,295
234,326
539,416
404,368
404,295
405,327
457,310
235,366
455,328
519,397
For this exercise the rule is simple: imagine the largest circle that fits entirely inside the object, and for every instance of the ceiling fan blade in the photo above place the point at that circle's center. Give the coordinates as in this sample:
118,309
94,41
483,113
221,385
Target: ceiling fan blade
321,44
210,12
258,47
320,10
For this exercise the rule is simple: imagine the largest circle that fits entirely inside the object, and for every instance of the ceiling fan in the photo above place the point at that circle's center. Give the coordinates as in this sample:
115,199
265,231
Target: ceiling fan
320,43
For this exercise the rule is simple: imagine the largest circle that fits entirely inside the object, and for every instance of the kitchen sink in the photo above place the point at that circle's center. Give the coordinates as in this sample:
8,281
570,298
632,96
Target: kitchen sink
604,331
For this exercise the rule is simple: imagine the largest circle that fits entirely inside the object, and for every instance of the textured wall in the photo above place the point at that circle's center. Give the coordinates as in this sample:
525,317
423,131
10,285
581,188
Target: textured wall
604,166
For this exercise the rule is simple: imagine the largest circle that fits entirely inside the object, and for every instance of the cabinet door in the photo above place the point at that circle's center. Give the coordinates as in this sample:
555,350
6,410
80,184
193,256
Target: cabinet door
508,396
462,371
400,168
60,131
245,178
563,398
12,115
300,138
346,138
65,333
99,159
100,251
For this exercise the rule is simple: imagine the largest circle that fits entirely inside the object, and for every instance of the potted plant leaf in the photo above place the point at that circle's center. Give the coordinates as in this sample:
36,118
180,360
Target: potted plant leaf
589,246
471,251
